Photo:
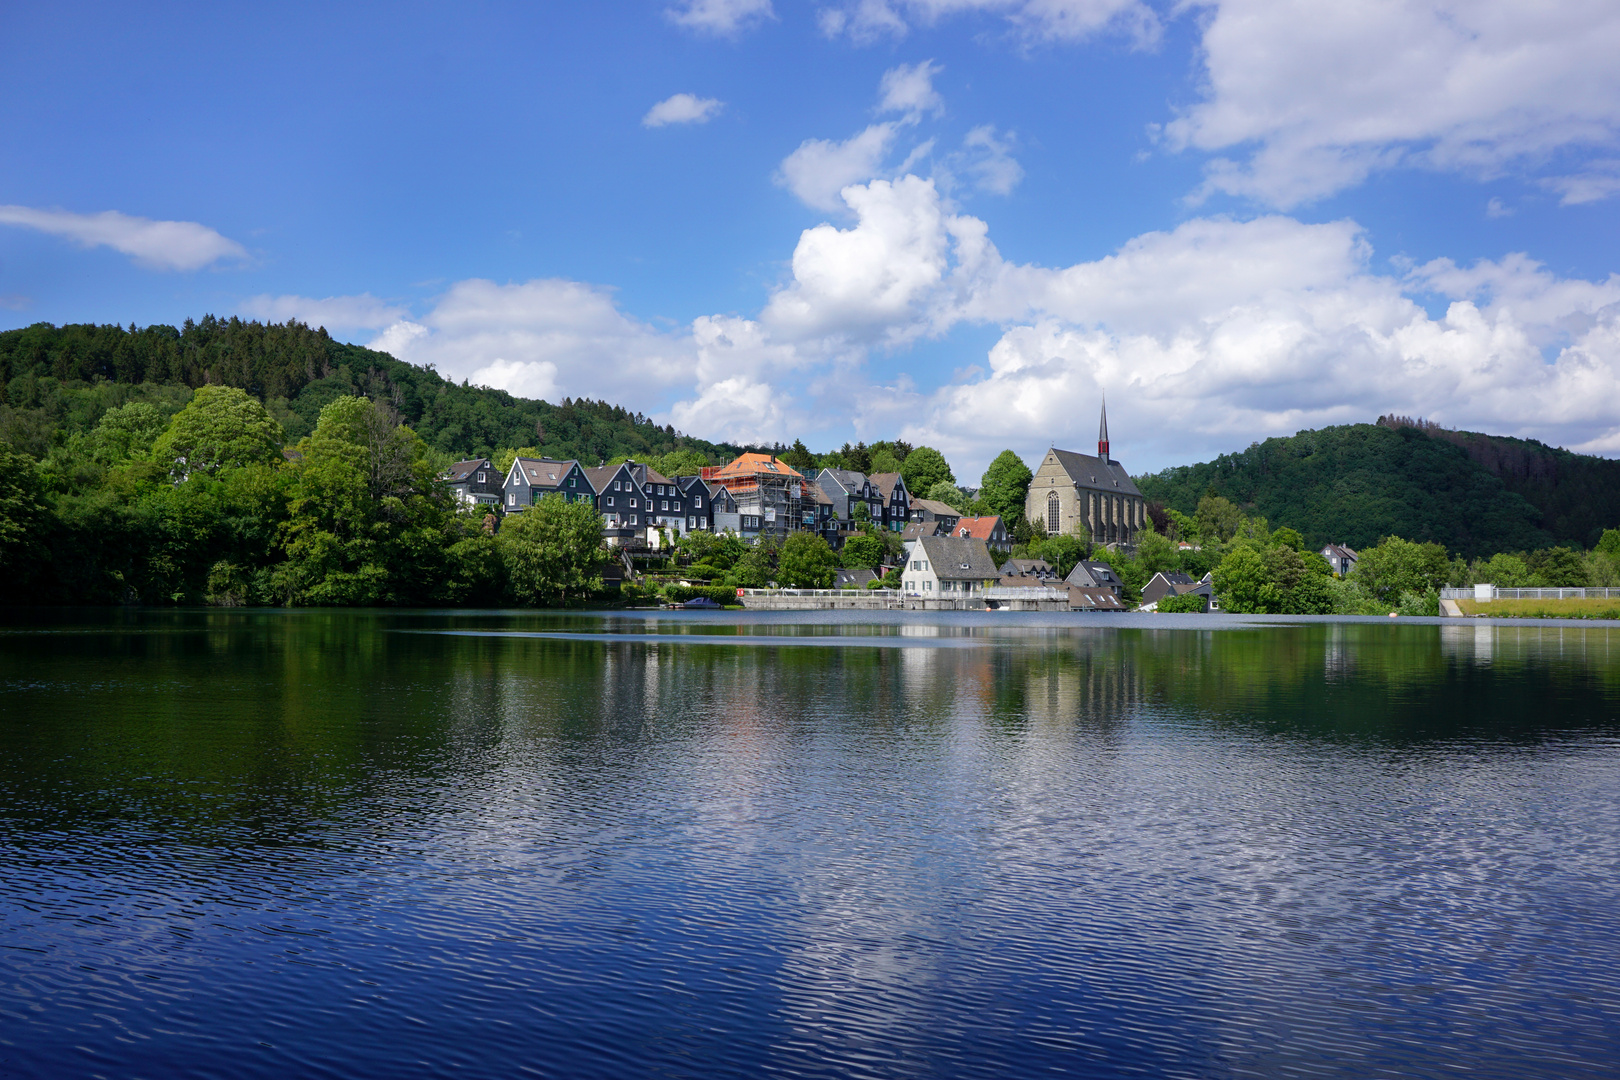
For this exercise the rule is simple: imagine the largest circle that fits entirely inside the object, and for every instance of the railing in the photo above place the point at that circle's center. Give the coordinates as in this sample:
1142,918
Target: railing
1492,592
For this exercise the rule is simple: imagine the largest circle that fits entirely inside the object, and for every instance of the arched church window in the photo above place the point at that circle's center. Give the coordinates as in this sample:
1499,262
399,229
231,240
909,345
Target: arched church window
1052,522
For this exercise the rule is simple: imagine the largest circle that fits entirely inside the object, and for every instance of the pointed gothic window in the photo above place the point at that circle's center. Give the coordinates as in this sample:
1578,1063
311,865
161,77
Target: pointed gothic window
1052,514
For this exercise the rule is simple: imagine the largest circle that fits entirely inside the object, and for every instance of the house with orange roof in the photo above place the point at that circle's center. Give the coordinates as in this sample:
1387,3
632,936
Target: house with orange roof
769,491
990,529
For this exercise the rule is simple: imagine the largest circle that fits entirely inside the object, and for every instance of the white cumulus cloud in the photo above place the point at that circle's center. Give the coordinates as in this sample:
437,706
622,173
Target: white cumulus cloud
722,17
163,245
820,168
546,338
909,89
682,109
363,312
1307,99
864,21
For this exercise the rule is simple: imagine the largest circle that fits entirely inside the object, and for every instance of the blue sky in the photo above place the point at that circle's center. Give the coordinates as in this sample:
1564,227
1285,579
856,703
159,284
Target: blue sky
957,221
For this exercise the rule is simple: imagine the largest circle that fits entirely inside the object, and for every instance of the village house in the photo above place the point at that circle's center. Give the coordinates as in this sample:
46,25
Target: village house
531,479
636,501
1340,558
931,510
1029,568
1164,584
1072,492
844,490
989,529
474,482
948,568
891,489
1091,574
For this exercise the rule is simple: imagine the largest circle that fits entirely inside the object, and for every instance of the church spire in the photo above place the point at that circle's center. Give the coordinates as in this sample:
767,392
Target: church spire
1102,432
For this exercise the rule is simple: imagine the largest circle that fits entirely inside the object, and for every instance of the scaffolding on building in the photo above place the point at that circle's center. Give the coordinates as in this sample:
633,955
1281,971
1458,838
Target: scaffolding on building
769,489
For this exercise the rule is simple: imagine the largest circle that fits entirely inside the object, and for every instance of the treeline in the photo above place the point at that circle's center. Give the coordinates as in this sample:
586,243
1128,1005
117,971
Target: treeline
1476,495
206,506
53,382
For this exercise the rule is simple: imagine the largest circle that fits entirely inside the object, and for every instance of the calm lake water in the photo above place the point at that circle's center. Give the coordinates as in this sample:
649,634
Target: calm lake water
266,844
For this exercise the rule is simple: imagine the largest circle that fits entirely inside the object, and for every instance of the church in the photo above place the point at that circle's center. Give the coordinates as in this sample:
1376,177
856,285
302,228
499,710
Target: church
1073,490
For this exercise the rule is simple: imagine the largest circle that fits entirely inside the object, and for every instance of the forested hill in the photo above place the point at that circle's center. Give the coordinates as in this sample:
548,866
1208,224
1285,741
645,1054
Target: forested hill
1476,494
56,378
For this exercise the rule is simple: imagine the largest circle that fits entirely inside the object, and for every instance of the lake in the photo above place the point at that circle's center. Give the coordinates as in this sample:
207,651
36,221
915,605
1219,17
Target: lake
494,844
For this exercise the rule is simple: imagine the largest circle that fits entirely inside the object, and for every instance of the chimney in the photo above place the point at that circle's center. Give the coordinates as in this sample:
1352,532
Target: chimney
1102,432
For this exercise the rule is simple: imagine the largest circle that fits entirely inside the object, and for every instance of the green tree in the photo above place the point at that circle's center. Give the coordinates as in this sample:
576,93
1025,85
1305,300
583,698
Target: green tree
924,467
368,523
23,519
1005,485
1156,554
1062,552
798,456
806,562
756,568
552,552
949,494
1399,566
1609,543
220,427
1218,519
1288,538
884,461
126,432
864,551
1557,567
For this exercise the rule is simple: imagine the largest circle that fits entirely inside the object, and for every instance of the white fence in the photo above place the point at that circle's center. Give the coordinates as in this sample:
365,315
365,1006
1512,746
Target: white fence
1484,593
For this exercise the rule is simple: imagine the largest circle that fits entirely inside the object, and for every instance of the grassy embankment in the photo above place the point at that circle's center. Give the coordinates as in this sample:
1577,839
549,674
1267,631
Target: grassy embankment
1543,609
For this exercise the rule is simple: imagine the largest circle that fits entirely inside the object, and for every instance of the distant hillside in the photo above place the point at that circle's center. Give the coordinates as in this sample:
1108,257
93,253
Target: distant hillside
1476,494
297,370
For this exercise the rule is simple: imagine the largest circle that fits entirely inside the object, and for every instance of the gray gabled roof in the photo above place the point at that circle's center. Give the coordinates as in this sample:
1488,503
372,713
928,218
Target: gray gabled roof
959,558
847,479
1093,575
461,470
543,472
1095,473
938,509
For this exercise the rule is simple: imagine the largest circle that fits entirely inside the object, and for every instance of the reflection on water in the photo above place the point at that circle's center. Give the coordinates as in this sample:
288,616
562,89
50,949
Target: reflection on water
262,844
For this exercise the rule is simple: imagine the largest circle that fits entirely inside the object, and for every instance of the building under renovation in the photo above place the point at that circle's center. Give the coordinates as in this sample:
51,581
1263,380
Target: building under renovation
767,490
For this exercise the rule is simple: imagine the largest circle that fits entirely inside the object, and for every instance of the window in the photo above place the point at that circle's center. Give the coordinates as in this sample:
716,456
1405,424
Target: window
511,498
481,478
928,586
663,504
615,485
632,519
697,502
573,482
610,500
1052,507
632,504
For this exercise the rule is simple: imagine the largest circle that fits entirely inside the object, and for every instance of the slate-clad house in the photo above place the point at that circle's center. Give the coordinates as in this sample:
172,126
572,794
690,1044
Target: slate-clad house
926,510
531,479
1096,575
1340,558
891,489
1071,490
474,482
1039,569
633,497
844,489
723,511
699,503
1165,583
947,568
